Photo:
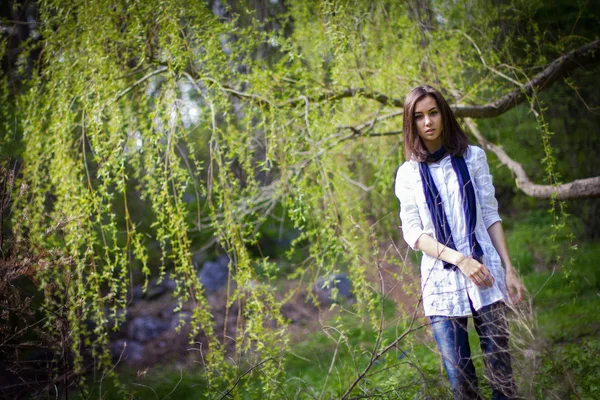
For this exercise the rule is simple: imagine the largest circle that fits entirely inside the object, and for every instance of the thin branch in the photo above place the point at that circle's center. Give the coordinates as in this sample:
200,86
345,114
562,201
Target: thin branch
148,387
178,382
364,128
577,189
376,134
239,378
193,78
356,183
494,70
139,82
377,356
331,365
372,122
576,90
350,92
241,95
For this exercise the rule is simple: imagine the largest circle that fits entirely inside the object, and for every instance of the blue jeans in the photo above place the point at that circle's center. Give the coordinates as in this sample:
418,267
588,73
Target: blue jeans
453,342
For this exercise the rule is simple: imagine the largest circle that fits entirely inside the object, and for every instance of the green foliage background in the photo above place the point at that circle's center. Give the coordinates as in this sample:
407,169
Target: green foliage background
112,151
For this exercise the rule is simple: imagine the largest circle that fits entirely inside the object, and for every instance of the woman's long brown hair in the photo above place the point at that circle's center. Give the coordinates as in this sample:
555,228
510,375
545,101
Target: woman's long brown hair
454,138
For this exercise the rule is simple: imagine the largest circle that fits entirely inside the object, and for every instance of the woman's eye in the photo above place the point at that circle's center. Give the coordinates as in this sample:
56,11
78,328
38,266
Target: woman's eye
418,116
434,112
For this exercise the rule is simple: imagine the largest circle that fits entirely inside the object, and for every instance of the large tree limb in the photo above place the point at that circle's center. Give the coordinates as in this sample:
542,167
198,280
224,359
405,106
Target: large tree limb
577,189
558,68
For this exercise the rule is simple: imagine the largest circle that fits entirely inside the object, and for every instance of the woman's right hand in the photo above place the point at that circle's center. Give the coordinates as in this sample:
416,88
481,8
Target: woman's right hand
478,273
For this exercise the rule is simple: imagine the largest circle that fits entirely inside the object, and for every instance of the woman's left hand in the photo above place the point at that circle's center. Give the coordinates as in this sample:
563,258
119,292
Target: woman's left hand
516,290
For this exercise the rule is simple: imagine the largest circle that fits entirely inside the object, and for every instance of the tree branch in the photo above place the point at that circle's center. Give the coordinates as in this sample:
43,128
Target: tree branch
378,355
581,188
555,70
577,189
558,68
350,92
139,82
372,122
355,133
239,378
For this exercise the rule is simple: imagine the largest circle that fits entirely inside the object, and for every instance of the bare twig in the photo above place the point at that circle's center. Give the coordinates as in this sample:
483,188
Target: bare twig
342,94
378,118
331,365
494,70
178,382
377,356
139,82
239,378
376,134
148,387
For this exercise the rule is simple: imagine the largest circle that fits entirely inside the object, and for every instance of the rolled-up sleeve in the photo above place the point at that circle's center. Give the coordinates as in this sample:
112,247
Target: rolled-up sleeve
412,226
485,189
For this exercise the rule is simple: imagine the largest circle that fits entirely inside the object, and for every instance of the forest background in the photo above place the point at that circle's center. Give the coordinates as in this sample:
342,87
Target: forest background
142,140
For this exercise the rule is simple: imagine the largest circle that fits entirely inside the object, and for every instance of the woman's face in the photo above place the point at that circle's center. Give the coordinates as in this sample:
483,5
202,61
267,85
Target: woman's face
428,120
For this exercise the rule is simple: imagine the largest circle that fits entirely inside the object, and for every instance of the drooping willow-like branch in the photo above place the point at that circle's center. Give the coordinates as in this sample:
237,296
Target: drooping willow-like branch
558,68
581,188
577,189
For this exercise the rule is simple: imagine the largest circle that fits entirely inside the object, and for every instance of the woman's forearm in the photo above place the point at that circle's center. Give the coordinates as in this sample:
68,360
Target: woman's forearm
432,247
499,242
478,273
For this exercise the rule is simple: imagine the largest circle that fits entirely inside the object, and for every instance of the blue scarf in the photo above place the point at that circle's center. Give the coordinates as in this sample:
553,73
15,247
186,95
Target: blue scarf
436,208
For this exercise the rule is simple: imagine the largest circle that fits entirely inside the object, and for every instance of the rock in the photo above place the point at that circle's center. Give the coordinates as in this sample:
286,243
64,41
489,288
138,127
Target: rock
324,286
198,259
189,198
129,351
175,318
213,274
137,292
154,289
169,283
109,322
145,328
121,315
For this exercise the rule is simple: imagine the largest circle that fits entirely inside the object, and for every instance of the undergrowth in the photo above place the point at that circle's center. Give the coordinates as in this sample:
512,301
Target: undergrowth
560,360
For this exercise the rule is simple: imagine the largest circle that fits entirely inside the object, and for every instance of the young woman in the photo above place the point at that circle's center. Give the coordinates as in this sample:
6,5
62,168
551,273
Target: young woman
449,212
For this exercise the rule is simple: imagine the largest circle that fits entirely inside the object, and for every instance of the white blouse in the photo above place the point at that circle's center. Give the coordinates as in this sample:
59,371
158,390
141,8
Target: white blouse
447,292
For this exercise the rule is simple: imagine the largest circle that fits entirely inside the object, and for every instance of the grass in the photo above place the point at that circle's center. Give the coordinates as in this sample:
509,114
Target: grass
558,356
568,324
